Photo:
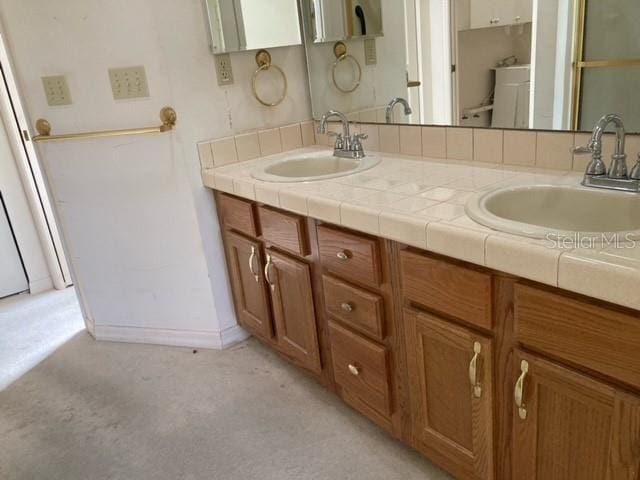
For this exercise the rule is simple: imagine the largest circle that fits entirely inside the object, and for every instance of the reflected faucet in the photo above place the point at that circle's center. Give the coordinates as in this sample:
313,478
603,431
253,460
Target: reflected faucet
616,177
393,103
347,146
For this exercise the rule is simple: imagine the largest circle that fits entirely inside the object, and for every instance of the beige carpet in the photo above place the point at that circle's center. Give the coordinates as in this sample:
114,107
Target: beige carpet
32,327
95,411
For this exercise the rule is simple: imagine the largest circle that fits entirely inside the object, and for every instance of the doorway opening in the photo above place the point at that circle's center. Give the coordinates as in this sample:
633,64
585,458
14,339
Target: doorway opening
39,309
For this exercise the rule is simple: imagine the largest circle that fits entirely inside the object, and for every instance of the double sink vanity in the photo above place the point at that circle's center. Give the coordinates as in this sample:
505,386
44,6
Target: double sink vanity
334,263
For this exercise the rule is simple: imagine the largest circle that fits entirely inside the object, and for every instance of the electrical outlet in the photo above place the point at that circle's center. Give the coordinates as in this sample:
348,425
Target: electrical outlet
223,69
56,90
370,53
128,82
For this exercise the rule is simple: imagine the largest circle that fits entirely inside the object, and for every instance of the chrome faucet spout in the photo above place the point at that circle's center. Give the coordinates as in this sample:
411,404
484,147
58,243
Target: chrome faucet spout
393,103
343,120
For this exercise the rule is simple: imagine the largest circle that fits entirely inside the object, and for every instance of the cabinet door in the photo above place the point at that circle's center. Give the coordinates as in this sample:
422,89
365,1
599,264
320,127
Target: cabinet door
523,11
504,12
481,13
451,387
247,283
567,426
294,314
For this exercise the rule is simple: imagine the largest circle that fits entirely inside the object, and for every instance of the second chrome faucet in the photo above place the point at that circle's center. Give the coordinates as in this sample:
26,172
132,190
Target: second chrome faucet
616,177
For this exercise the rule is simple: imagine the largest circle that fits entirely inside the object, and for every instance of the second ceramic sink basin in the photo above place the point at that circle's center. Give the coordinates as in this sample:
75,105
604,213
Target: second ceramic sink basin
312,166
541,211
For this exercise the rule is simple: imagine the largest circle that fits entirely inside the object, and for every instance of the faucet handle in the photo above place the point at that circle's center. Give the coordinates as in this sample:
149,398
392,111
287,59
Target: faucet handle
635,171
356,145
582,150
339,139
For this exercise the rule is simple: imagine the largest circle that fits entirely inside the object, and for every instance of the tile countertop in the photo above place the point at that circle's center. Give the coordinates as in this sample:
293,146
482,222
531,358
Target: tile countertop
420,202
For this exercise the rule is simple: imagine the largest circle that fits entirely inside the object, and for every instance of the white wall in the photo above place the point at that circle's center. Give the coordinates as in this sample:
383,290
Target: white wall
140,228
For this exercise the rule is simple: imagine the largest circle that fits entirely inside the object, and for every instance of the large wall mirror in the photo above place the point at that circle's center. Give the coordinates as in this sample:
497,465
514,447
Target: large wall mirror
543,64
237,25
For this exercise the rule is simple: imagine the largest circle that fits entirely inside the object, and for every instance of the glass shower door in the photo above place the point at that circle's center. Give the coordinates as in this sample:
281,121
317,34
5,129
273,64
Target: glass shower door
608,66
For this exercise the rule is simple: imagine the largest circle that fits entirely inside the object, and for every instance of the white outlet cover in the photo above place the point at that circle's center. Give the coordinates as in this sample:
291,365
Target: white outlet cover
128,82
224,70
370,53
56,90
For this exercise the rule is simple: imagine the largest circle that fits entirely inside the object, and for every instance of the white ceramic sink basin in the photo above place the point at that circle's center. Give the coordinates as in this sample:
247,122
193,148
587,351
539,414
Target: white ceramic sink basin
312,167
543,211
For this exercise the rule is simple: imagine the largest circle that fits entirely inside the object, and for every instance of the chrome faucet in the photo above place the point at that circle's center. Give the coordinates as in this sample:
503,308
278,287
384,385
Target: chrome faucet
616,177
347,145
393,103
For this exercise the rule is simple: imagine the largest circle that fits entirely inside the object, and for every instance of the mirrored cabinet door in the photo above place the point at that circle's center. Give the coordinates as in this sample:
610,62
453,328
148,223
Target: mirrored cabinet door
237,25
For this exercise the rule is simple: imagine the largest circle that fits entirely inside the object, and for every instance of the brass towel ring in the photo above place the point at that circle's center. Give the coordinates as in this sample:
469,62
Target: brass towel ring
263,59
340,51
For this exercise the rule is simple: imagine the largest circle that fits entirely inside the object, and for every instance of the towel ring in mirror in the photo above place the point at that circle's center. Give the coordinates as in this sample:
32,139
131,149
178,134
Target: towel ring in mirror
340,51
263,59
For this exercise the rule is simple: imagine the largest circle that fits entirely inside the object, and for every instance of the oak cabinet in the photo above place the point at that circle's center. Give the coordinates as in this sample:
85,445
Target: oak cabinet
451,387
289,281
567,426
245,262
433,350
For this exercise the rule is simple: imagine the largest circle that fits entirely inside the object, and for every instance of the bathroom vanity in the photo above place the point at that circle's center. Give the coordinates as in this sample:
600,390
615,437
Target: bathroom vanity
489,375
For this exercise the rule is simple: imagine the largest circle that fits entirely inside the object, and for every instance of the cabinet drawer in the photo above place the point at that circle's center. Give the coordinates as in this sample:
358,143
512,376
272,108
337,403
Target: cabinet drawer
601,339
237,214
358,308
348,255
446,287
360,368
284,230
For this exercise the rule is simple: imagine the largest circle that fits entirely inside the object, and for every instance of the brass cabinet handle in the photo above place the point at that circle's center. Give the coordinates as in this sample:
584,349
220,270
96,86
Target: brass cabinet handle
355,371
344,256
252,259
347,307
266,272
518,393
473,370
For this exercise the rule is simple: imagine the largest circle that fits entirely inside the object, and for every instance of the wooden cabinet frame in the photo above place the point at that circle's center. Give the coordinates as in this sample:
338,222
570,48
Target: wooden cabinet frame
492,441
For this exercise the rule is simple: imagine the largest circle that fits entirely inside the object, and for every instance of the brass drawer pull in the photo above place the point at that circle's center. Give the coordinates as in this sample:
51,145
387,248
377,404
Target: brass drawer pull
344,256
347,307
252,259
518,393
473,370
266,272
355,371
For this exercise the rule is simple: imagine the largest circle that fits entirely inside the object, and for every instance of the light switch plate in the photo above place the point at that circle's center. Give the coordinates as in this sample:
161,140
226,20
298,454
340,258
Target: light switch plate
57,90
370,53
223,69
128,82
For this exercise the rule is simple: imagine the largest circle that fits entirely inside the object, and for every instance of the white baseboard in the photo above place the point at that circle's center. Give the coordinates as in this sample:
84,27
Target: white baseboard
38,286
176,338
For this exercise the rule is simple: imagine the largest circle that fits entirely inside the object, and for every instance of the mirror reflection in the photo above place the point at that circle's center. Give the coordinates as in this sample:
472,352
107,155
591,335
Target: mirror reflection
333,20
538,64
236,25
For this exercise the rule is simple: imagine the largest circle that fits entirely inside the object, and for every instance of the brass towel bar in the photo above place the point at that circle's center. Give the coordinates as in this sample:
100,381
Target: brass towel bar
167,116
